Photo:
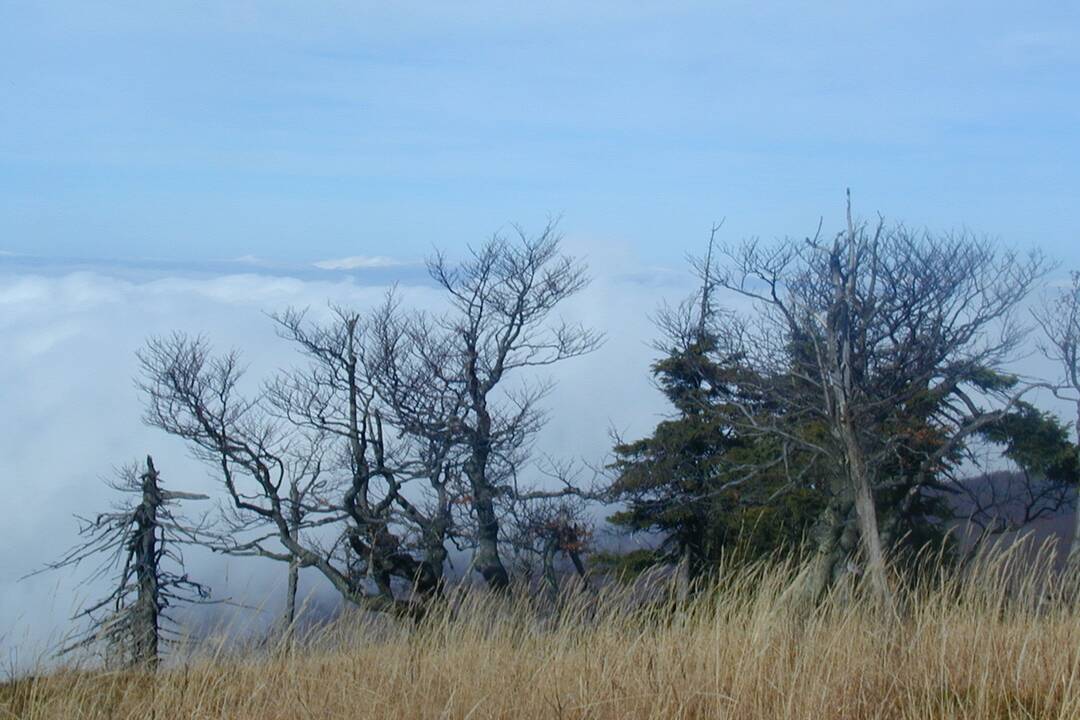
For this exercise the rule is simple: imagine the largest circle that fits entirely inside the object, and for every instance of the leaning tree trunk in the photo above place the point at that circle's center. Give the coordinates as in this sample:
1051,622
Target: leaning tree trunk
866,516
579,566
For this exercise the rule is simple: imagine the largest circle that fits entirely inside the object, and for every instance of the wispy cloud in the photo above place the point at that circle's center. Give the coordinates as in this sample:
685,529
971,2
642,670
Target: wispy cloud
249,260
360,262
376,269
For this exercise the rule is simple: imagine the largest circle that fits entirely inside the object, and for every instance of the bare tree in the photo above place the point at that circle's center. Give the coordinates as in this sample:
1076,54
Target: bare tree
894,342
141,542
402,428
502,298
1059,319
409,366
336,398
541,530
309,484
1009,501
254,442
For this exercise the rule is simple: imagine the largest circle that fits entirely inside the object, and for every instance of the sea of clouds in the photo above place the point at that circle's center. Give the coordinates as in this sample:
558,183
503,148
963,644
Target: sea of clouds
70,410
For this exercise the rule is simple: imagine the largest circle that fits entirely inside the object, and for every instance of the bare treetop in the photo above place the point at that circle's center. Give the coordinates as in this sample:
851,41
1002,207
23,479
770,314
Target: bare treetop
503,295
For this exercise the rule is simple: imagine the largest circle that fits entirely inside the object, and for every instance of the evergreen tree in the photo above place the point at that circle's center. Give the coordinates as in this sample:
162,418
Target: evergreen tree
706,487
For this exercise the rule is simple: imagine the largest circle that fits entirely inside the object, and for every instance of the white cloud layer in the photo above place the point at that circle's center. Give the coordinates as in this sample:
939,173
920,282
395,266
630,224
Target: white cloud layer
70,411
359,262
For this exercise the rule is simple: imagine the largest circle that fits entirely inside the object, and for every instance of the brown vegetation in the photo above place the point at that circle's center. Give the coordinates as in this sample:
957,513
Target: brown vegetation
987,643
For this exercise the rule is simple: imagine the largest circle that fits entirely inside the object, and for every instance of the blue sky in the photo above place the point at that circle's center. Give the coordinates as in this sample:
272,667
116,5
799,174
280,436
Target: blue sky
296,132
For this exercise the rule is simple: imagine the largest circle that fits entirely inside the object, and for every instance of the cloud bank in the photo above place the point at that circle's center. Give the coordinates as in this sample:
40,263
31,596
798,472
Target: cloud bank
70,411
359,262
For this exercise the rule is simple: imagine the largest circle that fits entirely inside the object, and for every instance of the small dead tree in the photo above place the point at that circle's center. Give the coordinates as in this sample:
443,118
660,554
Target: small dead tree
1008,501
141,542
545,528
308,485
194,395
1059,319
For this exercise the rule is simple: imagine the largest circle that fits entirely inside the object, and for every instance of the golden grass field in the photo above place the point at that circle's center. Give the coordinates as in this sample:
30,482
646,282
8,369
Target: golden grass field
987,644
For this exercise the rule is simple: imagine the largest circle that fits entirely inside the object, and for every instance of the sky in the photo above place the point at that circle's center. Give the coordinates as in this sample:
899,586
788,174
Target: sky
192,165
294,131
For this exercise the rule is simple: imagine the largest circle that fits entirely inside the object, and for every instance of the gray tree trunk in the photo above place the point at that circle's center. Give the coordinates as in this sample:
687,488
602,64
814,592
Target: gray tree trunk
682,579
826,538
146,626
295,518
1072,562
290,594
866,515
488,561
551,579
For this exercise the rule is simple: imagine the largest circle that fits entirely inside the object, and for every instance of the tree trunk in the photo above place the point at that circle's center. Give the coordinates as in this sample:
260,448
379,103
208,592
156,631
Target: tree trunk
825,537
145,628
431,581
551,579
427,573
682,579
1072,562
579,565
488,562
295,518
866,516
290,594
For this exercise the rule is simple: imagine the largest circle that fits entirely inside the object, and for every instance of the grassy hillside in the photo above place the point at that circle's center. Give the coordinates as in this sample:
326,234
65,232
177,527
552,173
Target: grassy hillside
989,644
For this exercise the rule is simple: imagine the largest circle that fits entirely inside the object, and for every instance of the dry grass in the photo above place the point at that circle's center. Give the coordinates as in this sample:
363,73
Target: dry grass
973,647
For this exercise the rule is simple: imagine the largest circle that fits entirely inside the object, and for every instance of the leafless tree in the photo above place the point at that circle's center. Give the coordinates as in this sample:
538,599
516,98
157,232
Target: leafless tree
309,486
401,426
1009,501
410,368
502,298
141,543
336,397
541,530
894,342
1059,319
263,447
